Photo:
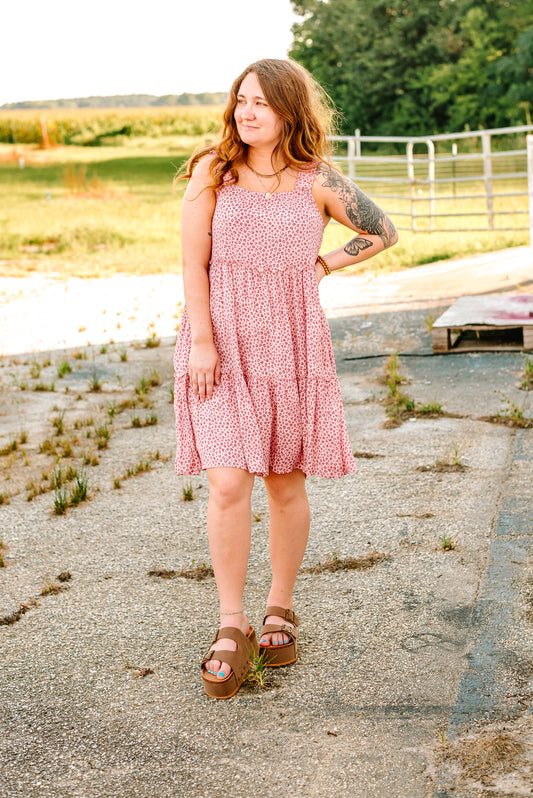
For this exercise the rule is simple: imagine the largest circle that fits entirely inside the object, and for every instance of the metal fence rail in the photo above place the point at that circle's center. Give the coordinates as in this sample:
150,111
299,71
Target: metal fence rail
479,175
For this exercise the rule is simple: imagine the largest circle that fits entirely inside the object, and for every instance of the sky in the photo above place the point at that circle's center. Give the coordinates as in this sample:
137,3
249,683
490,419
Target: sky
60,49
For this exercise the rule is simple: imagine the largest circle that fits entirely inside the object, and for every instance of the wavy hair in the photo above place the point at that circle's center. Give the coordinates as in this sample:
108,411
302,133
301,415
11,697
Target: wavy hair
303,105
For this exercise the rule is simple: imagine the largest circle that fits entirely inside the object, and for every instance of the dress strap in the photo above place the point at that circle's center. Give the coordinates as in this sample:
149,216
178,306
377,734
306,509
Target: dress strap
306,178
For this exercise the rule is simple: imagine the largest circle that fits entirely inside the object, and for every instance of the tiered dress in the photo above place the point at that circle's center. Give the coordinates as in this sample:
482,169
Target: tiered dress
278,406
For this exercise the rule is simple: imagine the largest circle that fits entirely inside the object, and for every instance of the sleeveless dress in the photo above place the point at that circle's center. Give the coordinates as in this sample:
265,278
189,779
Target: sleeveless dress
278,405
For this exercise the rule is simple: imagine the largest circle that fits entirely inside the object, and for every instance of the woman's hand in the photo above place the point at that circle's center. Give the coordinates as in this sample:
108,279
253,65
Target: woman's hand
204,370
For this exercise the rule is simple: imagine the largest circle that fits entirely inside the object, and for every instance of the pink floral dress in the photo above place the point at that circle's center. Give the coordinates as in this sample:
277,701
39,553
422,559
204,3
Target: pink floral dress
278,406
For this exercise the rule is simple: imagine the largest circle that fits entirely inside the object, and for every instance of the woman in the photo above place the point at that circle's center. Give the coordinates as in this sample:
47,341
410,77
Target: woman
256,392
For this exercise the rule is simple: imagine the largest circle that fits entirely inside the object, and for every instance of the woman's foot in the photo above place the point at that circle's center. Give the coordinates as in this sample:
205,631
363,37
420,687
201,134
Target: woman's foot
239,621
279,636
275,638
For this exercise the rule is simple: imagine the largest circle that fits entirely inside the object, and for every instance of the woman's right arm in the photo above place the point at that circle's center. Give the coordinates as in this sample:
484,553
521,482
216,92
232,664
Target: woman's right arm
196,218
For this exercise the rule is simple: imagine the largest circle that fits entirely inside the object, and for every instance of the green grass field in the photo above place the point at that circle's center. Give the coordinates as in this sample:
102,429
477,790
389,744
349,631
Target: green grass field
92,211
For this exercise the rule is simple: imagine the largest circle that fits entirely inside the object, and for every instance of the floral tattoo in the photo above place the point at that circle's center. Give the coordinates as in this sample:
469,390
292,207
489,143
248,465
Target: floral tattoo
360,210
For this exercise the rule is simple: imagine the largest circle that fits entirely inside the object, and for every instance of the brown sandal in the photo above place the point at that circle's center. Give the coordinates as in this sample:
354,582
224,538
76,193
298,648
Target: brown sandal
239,661
286,653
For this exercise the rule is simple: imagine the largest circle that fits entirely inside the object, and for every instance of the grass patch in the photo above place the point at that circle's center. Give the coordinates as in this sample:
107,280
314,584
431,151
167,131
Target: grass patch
97,194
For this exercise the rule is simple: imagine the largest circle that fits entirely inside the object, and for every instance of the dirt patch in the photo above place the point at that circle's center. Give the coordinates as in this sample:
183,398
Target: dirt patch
198,573
347,563
440,468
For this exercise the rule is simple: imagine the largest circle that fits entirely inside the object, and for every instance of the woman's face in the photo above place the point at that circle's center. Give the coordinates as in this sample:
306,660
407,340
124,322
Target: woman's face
257,124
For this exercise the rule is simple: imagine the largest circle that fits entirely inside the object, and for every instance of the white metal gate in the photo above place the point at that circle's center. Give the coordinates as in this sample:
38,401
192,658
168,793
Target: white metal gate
475,181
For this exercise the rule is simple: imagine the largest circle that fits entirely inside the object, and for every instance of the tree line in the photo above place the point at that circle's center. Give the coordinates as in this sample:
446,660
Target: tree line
123,101
411,67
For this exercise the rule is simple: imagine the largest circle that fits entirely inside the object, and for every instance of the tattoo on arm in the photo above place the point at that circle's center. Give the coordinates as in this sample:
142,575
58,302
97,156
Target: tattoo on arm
363,213
357,245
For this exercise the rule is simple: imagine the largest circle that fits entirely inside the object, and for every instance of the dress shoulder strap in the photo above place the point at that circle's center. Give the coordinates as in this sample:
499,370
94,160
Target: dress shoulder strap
306,177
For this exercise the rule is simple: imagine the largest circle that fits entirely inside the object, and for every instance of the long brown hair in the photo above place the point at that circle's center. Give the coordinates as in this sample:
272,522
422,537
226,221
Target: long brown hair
302,104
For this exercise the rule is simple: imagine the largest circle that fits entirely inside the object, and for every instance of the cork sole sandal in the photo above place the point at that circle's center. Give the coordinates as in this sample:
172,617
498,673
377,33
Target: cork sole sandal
286,653
239,661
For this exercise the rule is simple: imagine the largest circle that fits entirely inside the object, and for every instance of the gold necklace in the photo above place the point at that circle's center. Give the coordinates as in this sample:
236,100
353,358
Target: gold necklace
260,175
273,174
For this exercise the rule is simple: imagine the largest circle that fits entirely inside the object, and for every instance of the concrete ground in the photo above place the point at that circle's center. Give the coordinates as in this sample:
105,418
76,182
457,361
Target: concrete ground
415,674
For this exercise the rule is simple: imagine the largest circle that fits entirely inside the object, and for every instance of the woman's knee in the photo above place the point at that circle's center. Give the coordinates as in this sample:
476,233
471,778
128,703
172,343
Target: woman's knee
229,486
284,489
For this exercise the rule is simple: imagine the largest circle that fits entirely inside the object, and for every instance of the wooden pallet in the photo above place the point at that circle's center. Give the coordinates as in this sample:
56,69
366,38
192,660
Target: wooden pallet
489,323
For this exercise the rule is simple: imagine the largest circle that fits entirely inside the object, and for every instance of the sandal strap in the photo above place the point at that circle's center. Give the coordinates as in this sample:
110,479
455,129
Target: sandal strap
289,615
239,660
231,633
292,631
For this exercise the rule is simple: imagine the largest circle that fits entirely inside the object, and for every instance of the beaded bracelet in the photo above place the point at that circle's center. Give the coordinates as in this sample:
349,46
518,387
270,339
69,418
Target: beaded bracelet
324,265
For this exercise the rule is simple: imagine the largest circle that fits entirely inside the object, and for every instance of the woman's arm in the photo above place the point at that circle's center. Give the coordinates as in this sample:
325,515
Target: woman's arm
340,199
196,217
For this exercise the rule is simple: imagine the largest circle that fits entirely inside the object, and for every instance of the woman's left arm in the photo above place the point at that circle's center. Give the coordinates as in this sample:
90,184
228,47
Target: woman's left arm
342,200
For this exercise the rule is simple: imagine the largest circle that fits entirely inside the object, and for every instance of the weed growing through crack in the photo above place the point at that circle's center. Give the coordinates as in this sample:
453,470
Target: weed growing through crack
152,341
58,423
10,447
454,462
398,404
3,548
447,543
81,355
79,490
527,378
4,499
111,410
95,384
141,389
61,501
63,367
153,379
90,459
512,415
102,436
258,675
42,386
431,409
35,370
187,491
430,320
141,467
70,497
123,356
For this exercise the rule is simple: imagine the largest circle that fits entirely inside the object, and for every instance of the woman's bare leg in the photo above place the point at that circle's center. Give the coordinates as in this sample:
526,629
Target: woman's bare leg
229,532
289,532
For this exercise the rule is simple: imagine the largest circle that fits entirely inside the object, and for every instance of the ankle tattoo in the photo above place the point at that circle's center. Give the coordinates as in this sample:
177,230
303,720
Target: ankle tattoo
238,612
